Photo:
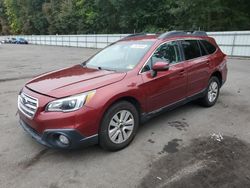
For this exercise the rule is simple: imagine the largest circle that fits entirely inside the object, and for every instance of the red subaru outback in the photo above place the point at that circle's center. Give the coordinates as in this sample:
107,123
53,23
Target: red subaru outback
104,99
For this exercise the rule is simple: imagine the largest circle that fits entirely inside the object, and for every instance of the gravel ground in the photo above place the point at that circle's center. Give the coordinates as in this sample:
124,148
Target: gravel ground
171,150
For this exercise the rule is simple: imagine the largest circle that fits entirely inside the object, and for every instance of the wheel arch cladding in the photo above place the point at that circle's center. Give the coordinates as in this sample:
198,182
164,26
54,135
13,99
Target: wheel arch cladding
129,99
218,75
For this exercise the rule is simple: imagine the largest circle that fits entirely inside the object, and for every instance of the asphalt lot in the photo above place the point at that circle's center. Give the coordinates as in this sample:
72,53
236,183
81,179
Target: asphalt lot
24,163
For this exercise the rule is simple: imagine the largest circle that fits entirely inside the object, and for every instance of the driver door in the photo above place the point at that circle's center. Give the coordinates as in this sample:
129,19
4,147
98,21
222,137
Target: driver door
167,87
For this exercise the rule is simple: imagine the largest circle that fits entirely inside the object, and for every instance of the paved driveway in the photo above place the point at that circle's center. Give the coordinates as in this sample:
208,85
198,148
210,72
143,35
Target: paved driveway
24,163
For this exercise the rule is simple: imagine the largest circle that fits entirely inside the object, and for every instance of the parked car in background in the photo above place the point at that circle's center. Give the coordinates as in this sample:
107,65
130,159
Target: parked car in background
12,41
6,41
21,41
104,99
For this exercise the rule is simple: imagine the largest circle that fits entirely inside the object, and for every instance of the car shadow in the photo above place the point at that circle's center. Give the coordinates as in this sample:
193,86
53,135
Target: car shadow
165,116
155,121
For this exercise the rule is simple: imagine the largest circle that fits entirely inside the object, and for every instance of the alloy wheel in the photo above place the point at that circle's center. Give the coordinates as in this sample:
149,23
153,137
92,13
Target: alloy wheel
213,91
121,126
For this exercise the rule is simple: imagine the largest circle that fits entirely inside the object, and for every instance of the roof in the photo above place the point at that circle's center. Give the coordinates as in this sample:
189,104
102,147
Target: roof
166,35
141,36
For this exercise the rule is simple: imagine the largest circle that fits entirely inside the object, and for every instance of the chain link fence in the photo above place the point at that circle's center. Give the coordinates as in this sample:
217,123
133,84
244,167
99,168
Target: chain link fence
233,43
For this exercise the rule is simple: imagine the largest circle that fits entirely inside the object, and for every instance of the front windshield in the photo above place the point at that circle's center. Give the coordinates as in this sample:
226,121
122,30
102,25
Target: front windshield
120,56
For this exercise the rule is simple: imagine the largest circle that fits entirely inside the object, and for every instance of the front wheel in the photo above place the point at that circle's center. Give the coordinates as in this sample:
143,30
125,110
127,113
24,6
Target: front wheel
212,92
119,126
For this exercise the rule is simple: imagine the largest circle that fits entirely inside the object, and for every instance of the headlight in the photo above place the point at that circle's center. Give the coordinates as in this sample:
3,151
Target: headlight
69,104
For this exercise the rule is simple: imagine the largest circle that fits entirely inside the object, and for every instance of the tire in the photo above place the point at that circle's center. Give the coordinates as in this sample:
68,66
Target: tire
115,135
212,92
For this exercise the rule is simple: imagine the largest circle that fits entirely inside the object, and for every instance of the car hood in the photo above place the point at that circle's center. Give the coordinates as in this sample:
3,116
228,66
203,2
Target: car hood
73,80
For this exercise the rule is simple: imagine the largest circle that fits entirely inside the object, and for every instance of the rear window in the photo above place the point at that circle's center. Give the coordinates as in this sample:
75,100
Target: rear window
209,47
191,49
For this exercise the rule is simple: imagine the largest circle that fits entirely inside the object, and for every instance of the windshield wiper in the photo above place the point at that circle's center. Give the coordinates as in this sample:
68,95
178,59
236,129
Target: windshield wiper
99,68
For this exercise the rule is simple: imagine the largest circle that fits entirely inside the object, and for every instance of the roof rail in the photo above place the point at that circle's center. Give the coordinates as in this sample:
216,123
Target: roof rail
182,33
138,35
199,33
135,35
172,34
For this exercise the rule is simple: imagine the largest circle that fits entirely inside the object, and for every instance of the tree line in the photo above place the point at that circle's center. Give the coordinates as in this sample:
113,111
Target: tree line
121,16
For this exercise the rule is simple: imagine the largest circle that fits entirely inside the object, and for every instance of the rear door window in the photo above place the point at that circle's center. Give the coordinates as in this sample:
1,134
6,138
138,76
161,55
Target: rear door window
209,47
191,49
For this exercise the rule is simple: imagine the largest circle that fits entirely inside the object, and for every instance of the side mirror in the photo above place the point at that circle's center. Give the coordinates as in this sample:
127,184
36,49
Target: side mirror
160,66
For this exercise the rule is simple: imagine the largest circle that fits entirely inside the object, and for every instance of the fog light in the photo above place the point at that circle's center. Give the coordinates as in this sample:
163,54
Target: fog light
63,139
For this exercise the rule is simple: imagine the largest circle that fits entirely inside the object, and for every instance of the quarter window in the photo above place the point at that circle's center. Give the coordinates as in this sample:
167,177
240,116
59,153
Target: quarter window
210,48
191,49
203,49
168,52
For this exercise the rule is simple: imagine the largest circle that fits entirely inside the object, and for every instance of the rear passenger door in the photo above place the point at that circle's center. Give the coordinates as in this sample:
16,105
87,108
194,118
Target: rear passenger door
198,67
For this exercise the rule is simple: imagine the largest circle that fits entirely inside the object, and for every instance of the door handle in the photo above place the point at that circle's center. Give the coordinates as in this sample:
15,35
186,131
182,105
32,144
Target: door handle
182,72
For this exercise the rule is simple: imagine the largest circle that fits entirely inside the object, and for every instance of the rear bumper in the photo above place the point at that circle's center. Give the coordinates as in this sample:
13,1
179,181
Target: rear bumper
224,71
50,139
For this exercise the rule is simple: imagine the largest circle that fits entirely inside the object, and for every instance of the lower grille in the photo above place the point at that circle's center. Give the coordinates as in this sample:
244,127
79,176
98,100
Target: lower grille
28,128
27,105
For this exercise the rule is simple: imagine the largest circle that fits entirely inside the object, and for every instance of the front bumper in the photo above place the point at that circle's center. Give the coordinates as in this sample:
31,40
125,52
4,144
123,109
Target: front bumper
50,139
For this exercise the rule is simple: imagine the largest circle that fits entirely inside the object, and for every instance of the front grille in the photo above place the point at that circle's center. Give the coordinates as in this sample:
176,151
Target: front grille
27,105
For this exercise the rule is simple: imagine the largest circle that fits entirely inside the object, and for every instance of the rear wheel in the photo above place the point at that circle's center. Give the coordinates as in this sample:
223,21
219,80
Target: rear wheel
119,126
212,92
